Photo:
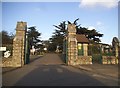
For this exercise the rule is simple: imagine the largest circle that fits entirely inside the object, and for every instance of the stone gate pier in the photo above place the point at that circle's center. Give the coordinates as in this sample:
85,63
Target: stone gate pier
18,58
19,44
75,47
72,45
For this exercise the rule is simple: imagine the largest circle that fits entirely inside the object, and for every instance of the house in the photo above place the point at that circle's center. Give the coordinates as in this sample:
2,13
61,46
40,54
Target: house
82,43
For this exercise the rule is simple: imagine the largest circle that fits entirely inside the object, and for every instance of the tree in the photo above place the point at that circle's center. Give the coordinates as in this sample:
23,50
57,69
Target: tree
61,28
33,36
7,41
92,35
61,31
6,38
58,36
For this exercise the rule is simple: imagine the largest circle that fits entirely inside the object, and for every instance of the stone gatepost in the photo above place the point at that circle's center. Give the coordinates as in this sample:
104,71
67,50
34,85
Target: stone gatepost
116,51
116,45
72,45
19,44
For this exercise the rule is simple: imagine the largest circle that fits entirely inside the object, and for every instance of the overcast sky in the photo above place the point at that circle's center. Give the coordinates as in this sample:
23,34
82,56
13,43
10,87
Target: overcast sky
103,16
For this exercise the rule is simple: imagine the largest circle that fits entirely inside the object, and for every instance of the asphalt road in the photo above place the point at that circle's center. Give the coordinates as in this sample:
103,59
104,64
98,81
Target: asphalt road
49,70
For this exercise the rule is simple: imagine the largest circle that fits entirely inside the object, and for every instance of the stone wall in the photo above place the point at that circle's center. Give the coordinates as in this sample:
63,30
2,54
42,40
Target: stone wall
7,62
84,60
17,60
109,60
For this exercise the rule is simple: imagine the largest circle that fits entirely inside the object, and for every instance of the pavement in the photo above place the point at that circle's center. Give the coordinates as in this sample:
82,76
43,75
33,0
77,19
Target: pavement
108,70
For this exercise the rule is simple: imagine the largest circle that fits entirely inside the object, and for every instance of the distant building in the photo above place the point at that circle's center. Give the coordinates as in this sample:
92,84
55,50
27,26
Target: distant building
105,48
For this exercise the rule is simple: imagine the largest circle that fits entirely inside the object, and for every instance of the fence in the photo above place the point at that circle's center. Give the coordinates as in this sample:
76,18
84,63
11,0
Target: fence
98,53
102,55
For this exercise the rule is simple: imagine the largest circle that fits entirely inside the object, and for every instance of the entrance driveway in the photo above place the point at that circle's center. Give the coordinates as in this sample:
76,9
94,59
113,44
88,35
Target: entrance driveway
49,59
49,70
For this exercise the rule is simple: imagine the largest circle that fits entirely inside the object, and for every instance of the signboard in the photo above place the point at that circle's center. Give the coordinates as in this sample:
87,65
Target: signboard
2,48
7,54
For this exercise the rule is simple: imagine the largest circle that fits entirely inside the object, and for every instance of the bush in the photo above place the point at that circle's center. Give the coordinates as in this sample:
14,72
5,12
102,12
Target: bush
97,58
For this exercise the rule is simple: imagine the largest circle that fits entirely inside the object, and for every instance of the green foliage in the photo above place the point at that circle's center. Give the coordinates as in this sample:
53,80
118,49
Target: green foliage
6,38
61,31
7,41
97,58
94,49
52,47
108,54
58,36
33,36
92,35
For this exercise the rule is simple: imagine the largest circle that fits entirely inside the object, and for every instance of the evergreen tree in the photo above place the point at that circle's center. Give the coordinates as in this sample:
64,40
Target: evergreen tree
61,31
33,36
6,38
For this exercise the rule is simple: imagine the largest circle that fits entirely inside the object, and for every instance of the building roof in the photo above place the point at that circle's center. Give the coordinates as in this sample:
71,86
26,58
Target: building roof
104,44
82,38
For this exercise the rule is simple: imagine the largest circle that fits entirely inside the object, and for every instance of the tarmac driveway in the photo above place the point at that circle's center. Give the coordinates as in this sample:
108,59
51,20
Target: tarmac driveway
50,70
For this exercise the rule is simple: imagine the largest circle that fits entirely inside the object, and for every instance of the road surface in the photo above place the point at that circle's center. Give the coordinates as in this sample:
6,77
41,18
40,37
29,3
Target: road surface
49,70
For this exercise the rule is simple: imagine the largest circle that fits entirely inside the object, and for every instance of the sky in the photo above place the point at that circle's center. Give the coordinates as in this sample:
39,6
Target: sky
102,15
